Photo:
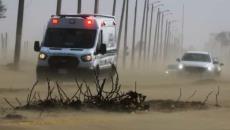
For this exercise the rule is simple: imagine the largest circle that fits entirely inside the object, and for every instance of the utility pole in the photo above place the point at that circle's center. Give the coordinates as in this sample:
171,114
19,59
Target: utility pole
165,41
182,31
6,40
168,38
79,6
96,6
126,33
161,34
2,41
58,9
146,30
114,7
18,33
156,37
134,34
142,31
121,26
150,32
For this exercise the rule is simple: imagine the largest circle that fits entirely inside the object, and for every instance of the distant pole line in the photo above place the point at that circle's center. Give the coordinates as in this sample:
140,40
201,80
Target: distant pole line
114,7
126,33
58,9
96,6
142,34
18,33
134,34
79,3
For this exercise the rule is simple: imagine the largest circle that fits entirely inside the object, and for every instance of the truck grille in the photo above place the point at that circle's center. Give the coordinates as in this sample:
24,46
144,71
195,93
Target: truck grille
194,69
63,62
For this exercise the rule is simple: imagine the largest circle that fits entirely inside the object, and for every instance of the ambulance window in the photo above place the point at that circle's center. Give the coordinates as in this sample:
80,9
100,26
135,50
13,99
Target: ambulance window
109,36
70,38
99,40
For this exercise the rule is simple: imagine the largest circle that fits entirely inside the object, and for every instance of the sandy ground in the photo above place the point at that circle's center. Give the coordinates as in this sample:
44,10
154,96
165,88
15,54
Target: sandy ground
154,85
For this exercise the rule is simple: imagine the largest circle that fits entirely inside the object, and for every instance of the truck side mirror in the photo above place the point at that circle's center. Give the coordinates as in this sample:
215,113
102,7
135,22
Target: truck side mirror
103,49
37,47
215,62
178,59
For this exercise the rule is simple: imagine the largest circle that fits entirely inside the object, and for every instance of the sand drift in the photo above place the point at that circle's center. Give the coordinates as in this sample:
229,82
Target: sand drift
103,98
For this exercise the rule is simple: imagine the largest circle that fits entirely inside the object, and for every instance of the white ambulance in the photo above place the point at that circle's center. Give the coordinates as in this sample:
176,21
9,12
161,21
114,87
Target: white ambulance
74,45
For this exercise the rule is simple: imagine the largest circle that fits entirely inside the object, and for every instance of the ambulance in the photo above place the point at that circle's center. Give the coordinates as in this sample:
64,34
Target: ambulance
74,45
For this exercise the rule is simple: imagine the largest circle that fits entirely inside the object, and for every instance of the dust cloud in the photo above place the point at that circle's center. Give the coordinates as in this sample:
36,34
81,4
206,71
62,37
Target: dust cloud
153,83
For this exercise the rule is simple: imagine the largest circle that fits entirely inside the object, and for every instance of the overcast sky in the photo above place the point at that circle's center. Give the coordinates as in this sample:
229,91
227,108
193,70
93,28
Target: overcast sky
202,17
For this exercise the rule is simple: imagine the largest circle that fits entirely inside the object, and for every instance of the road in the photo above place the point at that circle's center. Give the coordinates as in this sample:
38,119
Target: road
154,85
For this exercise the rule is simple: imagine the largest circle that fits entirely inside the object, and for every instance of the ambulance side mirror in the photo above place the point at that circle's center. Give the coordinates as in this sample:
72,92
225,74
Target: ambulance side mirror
101,48
37,47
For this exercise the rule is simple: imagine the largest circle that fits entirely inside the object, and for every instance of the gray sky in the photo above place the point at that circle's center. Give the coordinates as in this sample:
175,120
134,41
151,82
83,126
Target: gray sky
202,17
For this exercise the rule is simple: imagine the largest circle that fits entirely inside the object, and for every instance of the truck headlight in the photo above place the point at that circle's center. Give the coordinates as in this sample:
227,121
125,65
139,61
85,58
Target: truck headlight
87,58
181,66
42,56
219,69
210,68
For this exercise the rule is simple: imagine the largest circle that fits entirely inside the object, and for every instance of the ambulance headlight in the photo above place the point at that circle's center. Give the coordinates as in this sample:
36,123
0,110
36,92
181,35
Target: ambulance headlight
42,56
87,58
181,66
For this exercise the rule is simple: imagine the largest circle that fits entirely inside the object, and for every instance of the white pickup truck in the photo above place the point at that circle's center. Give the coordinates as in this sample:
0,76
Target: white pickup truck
197,62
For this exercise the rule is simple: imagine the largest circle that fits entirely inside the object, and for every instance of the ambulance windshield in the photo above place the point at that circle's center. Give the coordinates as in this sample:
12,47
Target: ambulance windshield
70,38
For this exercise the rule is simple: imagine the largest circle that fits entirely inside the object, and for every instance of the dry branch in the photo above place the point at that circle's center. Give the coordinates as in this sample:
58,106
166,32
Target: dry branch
217,95
193,94
12,106
178,99
206,99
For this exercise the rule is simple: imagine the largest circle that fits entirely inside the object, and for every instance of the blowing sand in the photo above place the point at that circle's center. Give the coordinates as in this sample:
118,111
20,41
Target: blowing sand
155,86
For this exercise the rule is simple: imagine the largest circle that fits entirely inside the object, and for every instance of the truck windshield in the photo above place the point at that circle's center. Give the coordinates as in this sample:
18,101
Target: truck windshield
196,57
69,38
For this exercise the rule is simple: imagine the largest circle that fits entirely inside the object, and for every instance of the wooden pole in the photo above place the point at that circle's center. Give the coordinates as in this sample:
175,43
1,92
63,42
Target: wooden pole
165,41
79,6
58,9
114,7
18,33
155,45
168,38
121,26
142,31
161,35
146,30
126,33
134,35
2,41
150,32
6,40
182,33
96,6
